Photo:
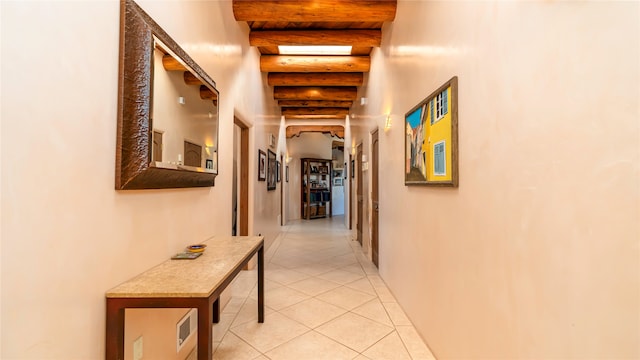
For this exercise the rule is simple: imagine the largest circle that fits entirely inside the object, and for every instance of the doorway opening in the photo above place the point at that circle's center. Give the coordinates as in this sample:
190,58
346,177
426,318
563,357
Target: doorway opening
337,178
374,197
240,197
359,194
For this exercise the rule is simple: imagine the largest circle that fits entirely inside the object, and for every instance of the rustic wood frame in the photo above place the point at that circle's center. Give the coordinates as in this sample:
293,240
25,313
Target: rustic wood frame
135,92
453,147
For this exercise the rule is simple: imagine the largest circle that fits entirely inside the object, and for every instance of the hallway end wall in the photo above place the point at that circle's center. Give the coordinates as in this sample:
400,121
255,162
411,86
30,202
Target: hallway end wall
535,255
307,145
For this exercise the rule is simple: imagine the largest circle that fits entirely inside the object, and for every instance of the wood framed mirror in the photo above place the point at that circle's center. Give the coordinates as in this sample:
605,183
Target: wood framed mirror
167,134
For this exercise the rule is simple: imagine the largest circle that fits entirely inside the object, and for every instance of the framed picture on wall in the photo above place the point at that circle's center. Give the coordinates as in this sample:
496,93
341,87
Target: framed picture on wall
278,176
262,165
353,169
287,173
431,140
271,170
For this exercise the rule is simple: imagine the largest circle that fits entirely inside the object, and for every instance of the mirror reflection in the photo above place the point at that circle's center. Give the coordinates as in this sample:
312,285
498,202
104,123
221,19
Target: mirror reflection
167,110
184,115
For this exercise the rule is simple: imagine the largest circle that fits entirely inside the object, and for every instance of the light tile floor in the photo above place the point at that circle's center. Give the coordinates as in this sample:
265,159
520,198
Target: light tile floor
324,300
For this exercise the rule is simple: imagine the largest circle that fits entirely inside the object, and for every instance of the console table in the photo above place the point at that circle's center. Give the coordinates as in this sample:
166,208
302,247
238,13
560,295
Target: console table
194,283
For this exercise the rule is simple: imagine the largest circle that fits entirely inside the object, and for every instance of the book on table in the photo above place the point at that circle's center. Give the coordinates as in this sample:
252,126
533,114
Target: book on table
185,256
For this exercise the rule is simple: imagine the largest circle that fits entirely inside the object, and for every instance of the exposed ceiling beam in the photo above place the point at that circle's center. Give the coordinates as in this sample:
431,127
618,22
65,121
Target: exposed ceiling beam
359,50
296,130
191,79
315,111
315,103
321,86
361,38
314,117
314,10
315,79
171,64
315,93
282,63
207,94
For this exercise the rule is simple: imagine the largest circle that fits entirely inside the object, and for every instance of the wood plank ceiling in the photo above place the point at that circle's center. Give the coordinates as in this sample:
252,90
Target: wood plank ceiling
315,86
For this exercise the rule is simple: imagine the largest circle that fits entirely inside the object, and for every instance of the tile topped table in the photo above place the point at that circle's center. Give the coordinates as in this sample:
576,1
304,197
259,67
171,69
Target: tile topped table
195,283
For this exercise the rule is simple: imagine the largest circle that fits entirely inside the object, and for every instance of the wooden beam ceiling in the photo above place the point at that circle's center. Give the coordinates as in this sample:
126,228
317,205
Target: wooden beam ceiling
315,86
363,38
310,63
315,111
315,93
315,103
296,130
191,79
171,64
302,11
315,79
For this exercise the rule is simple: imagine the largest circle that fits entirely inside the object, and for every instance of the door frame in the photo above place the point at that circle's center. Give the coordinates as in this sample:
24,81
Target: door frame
351,196
243,189
282,181
375,220
359,196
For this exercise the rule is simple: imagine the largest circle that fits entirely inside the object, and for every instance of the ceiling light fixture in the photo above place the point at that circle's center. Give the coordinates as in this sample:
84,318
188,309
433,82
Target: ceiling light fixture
314,50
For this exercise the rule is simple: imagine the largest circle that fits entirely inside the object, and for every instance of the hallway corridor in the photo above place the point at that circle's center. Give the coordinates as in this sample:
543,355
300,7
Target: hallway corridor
324,300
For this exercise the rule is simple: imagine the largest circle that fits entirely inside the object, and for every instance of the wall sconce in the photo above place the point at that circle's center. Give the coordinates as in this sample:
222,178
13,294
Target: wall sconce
364,158
387,123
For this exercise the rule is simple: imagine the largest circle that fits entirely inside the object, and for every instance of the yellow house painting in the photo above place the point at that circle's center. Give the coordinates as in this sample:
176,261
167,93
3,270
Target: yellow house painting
431,139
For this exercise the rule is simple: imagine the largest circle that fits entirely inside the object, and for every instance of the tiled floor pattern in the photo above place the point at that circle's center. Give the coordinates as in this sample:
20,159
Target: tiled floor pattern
324,300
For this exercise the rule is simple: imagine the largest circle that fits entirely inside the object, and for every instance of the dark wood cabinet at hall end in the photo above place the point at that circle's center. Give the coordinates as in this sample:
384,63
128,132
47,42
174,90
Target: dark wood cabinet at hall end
315,188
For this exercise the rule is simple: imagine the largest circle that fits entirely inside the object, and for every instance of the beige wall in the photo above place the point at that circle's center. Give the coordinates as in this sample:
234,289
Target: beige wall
67,235
536,254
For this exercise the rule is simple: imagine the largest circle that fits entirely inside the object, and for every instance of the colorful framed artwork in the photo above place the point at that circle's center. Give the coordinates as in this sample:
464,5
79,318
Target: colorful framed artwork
271,170
431,139
262,165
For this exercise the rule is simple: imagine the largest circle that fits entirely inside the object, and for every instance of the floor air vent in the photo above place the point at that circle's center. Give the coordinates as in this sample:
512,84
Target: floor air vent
186,327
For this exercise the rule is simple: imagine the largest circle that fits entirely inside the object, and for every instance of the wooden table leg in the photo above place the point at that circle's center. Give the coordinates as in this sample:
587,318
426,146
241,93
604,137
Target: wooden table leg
115,331
216,311
205,332
261,284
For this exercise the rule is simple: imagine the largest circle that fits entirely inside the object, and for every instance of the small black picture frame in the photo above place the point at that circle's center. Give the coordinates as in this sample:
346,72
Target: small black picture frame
209,164
287,173
271,170
353,169
278,176
262,165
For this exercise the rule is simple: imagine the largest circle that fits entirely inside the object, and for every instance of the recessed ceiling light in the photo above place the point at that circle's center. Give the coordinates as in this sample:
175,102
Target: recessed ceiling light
314,50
